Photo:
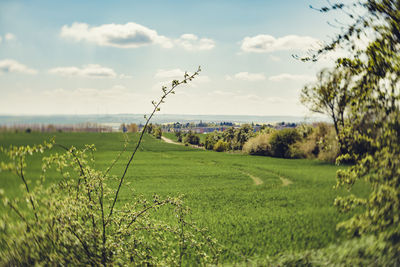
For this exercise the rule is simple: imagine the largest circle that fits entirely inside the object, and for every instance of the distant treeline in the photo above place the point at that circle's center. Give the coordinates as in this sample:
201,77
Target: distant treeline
201,127
49,128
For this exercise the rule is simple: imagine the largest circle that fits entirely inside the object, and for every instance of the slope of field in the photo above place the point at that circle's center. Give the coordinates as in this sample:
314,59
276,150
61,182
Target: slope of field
289,208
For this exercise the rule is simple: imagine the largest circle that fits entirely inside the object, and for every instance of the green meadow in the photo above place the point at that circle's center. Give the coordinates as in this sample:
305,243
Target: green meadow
254,206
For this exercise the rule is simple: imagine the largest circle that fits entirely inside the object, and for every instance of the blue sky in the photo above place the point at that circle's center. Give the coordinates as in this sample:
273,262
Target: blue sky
97,57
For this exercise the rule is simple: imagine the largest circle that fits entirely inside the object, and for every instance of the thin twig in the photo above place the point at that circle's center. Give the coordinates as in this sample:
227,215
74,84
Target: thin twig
18,213
145,210
27,188
117,158
82,174
84,245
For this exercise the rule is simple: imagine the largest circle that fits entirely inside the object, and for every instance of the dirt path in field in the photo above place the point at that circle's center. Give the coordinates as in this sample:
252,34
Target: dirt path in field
169,141
285,181
256,180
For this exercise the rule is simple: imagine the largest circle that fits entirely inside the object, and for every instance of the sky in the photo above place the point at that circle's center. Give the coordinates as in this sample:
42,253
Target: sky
111,57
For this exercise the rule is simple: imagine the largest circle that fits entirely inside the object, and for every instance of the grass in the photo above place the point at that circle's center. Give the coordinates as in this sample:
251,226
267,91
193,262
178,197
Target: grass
248,220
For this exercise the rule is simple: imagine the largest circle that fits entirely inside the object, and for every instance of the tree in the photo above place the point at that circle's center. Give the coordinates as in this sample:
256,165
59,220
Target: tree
244,133
211,140
179,136
229,135
149,128
375,107
192,138
330,95
221,146
280,142
157,132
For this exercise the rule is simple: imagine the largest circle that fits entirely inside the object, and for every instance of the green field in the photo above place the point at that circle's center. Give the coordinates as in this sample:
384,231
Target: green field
291,210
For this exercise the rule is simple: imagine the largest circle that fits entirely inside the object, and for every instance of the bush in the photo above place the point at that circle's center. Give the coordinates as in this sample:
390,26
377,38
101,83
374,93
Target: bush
258,145
320,142
157,132
329,147
244,133
73,222
221,146
192,138
307,147
149,128
179,136
281,142
211,140
267,130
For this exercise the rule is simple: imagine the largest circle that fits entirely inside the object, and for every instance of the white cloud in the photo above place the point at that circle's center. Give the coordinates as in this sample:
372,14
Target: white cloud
91,71
250,97
165,78
246,76
10,65
263,43
221,93
274,58
280,100
131,35
9,37
291,77
169,74
269,100
192,42
88,101
178,75
1,39
123,76
116,92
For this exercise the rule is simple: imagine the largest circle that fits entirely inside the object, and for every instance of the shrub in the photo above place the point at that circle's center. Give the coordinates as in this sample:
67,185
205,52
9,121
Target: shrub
221,146
211,140
157,132
229,136
307,147
74,221
281,142
179,136
329,148
305,130
244,133
258,145
192,138
149,128
266,130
